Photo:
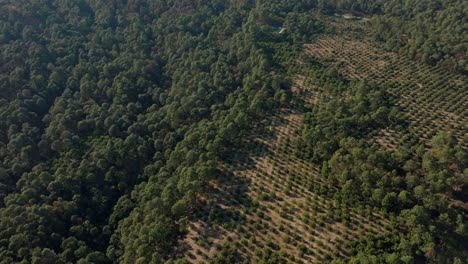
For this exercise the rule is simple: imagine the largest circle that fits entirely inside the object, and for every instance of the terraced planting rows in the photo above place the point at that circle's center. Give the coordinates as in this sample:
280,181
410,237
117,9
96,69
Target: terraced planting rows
271,201
433,99
270,204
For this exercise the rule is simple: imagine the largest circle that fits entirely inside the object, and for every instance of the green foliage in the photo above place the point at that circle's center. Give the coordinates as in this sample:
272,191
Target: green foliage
326,126
416,183
429,31
113,118
115,114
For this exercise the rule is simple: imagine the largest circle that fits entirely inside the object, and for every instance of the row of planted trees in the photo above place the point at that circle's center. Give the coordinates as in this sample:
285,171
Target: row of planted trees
416,183
428,31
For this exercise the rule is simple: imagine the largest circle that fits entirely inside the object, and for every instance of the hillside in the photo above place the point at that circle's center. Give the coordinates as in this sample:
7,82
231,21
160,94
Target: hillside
233,131
275,206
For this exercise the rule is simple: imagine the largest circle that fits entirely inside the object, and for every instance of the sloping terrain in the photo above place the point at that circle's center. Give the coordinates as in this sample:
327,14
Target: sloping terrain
434,100
275,202
272,205
276,131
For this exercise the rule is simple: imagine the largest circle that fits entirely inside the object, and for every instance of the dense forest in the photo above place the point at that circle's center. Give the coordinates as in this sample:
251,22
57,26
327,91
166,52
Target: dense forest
114,116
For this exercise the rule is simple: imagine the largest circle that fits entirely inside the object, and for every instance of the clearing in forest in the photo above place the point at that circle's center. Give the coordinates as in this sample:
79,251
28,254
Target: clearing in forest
272,204
433,99
275,202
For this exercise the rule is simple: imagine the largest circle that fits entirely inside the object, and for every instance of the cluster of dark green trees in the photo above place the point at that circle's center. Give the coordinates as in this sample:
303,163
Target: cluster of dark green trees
432,31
